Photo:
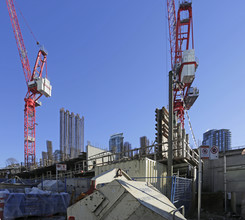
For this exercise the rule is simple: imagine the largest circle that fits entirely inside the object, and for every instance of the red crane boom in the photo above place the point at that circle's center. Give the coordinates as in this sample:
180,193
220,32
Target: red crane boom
183,60
19,40
37,86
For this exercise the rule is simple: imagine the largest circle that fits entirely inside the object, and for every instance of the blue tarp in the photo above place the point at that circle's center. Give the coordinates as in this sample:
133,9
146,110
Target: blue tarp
34,204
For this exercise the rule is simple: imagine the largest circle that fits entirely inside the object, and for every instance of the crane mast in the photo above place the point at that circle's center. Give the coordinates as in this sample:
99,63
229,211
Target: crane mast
183,60
37,85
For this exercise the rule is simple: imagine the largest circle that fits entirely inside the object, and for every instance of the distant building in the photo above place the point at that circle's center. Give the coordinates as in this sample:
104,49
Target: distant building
144,142
57,156
71,134
220,138
44,158
49,151
116,144
126,149
79,134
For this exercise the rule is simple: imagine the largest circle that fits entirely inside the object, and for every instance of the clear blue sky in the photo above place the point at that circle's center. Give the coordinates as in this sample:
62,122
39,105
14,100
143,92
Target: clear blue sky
108,61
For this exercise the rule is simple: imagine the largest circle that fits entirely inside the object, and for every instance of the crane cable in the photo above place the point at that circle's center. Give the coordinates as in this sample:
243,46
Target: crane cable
189,120
26,23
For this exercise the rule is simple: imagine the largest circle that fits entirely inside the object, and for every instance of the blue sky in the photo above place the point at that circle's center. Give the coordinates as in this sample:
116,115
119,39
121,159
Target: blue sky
108,61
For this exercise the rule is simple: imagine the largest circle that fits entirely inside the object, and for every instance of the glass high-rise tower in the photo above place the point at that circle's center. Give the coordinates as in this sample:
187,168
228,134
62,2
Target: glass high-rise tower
116,144
220,138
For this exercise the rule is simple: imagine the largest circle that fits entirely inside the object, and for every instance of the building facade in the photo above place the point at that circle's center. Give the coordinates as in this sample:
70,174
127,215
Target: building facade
116,144
213,174
49,151
127,149
220,138
144,142
44,158
79,134
57,156
71,134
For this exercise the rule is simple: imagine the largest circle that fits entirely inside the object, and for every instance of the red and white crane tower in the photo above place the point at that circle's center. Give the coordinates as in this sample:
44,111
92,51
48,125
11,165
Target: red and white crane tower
37,85
183,60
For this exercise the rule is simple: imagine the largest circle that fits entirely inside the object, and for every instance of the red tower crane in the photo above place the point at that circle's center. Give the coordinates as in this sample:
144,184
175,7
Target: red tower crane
183,60
37,85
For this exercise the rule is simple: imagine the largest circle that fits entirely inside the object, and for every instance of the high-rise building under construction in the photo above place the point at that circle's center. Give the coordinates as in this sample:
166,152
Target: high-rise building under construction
71,134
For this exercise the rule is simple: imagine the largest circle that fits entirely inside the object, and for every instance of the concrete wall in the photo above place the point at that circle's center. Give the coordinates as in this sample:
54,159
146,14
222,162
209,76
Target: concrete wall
94,156
213,174
142,170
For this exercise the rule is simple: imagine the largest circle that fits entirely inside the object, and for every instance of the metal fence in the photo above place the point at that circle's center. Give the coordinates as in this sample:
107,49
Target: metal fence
181,190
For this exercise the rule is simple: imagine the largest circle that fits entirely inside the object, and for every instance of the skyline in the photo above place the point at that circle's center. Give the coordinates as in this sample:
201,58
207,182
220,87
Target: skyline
109,62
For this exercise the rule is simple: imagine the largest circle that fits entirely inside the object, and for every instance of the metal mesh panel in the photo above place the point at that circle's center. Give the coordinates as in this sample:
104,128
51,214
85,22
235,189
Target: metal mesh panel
181,192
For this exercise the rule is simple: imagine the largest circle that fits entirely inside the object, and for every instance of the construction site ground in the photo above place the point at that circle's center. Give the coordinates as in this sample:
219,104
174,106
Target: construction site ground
205,215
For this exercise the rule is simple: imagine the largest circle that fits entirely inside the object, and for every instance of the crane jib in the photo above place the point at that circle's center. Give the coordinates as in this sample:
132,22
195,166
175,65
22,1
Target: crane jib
36,85
19,40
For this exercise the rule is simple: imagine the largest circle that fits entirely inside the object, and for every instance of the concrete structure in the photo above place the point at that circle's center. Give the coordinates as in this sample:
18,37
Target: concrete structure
213,174
97,156
144,142
74,168
220,138
123,199
181,150
143,170
71,134
116,144
180,143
